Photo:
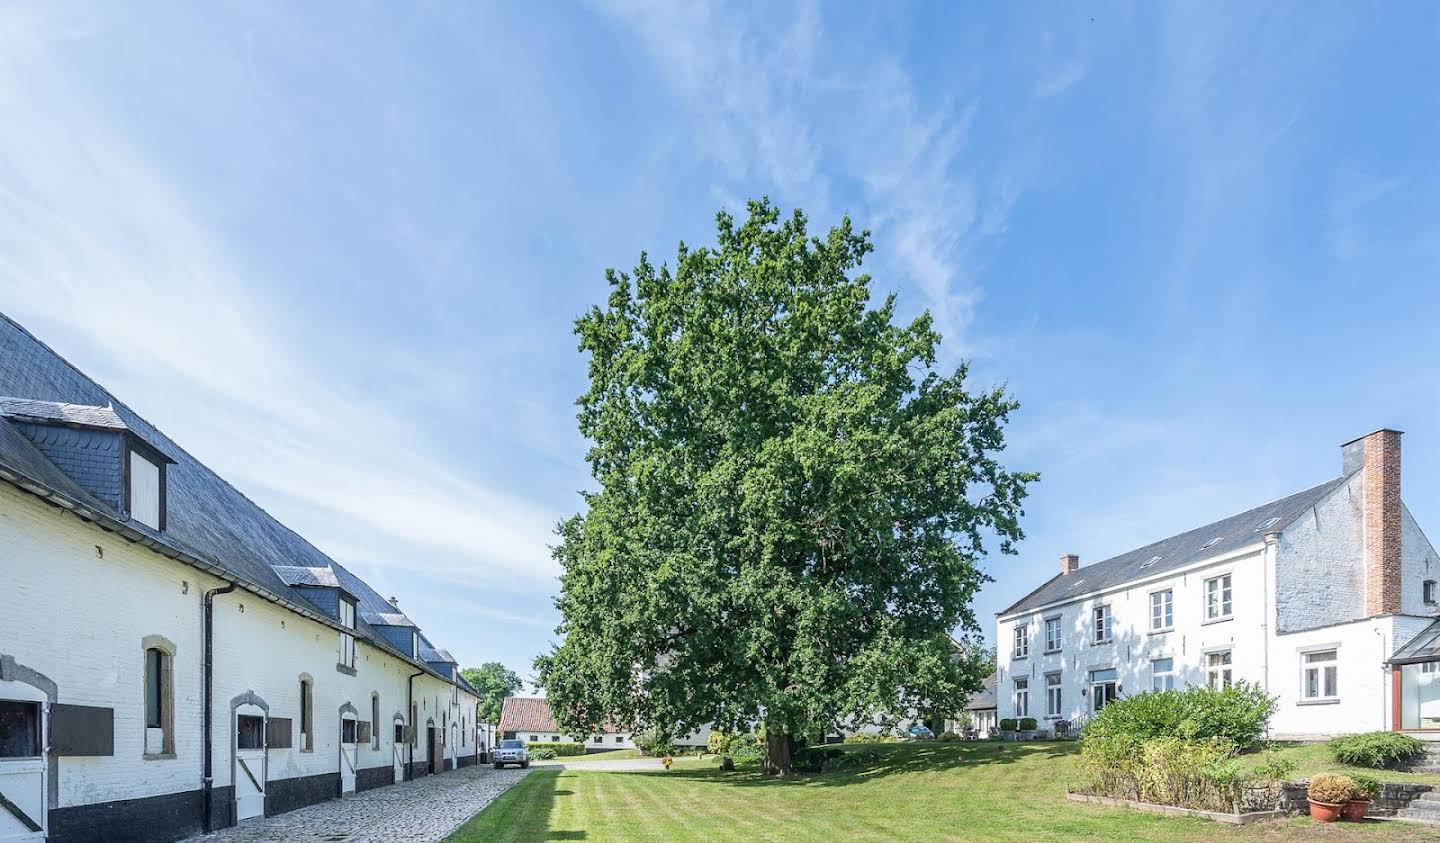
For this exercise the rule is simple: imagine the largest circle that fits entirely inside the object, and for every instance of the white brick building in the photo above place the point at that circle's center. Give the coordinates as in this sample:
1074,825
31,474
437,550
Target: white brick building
144,596
1326,598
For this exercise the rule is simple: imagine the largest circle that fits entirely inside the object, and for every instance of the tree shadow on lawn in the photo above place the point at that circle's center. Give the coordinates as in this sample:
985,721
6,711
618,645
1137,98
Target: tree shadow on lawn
520,814
888,760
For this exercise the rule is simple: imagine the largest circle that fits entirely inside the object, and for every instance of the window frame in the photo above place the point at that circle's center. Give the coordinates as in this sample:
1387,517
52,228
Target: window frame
1022,696
1102,618
1428,593
1224,671
1327,675
1224,604
375,719
127,491
307,713
1059,643
1166,607
1054,694
35,731
345,611
1168,675
164,684
1022,641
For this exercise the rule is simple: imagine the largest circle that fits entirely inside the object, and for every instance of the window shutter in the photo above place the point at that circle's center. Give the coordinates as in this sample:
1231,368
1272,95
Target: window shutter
77,730
362,732
278,733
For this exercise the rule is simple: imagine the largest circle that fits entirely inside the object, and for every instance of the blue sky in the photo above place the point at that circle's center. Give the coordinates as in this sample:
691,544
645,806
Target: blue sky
335,249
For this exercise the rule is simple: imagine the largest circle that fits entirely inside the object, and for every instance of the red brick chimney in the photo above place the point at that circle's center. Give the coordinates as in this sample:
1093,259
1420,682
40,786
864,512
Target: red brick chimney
1069,563
1379,455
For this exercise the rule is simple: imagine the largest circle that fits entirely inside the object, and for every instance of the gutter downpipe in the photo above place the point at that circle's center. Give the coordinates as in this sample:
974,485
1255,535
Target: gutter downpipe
414,735
207,714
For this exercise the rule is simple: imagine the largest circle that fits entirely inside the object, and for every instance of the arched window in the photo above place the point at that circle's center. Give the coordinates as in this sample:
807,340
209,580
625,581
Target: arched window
375,718
159,689
307,713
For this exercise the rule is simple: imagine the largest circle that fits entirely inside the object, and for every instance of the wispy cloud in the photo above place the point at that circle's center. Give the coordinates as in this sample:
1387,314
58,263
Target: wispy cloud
778,109
104,257
1059,80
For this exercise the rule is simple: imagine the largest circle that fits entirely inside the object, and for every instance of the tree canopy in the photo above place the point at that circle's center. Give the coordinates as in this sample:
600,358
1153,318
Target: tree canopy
792,496
495,682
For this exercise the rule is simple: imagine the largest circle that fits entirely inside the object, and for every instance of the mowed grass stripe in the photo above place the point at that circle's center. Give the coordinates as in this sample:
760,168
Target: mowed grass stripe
959,792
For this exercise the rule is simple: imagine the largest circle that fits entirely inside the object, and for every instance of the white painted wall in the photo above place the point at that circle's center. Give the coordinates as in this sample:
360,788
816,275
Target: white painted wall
79,615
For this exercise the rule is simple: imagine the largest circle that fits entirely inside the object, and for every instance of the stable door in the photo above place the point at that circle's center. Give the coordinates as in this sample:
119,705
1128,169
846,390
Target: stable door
349,753
398,750
250,763
23,814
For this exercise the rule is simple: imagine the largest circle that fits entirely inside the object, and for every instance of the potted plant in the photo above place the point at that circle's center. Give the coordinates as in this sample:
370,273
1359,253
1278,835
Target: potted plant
1327,795
1007,729
1028,728
1360,798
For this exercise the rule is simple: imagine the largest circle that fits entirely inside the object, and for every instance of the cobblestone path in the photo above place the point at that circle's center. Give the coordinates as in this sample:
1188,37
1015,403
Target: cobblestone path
426,809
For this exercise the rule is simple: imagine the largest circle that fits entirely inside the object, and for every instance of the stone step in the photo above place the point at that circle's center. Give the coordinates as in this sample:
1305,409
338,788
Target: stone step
1421,810
1428,796
1401,817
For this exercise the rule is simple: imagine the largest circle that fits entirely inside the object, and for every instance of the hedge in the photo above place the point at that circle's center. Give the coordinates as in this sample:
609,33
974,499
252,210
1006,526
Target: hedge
556,748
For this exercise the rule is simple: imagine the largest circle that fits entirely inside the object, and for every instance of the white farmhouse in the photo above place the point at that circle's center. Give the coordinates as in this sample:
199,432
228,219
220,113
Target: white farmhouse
172,658
1326,598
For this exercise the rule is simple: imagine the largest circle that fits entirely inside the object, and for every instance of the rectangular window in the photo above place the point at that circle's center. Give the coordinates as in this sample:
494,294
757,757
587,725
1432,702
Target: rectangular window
19,729
1162,610
619,739
307,717
533,739
1321,680
1104,687
144,491
1429,592
400,734
1052,694
1217,670
347,640
1022,697
1162,672
375,718
1217,598
1102,625
347,731
597,738
249,732
1022,642
1052,635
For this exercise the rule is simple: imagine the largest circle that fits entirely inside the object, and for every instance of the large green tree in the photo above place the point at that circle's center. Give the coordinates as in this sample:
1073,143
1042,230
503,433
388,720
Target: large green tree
495,682
792,496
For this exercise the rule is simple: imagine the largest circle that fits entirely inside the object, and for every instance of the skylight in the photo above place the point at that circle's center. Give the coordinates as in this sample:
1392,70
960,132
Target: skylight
1269,522
1148,562
1212,542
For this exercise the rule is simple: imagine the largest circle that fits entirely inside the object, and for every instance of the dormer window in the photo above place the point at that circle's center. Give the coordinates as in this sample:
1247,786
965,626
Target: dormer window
347,639
415,646
145,497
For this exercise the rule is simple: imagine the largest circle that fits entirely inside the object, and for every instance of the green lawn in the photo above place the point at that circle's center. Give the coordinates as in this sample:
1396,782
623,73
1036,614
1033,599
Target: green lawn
927,791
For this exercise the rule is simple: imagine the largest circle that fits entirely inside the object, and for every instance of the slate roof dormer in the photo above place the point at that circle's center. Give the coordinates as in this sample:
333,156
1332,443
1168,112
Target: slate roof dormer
96,449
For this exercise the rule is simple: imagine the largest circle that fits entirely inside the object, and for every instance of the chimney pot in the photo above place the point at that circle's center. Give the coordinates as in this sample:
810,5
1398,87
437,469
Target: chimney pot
1069,563
395,601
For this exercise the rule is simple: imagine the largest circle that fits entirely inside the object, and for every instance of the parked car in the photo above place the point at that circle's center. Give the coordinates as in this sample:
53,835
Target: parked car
919,733
511,752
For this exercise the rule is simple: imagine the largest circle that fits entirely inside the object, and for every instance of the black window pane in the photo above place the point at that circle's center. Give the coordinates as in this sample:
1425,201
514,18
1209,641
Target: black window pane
399,733
250,732
19,729
347,731
153,674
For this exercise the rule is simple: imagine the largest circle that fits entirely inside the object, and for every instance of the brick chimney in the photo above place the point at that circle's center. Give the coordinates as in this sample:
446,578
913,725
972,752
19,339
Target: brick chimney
1378,454
1069,563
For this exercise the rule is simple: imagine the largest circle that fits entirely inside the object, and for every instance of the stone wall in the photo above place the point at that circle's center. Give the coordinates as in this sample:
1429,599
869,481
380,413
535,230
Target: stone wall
1391,798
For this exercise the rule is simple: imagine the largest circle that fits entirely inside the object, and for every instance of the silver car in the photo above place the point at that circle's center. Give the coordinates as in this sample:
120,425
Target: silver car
510,752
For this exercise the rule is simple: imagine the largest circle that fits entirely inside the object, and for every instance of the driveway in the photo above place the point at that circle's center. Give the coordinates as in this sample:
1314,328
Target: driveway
426,809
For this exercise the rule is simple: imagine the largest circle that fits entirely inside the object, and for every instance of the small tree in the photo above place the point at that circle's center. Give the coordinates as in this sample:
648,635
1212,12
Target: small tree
495,682
791,503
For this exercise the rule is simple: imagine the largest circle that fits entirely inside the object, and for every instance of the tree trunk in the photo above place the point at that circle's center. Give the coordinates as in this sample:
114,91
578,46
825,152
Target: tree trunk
778,753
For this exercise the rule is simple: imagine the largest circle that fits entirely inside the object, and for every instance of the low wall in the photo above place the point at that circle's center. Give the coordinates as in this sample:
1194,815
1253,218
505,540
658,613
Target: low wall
1391,798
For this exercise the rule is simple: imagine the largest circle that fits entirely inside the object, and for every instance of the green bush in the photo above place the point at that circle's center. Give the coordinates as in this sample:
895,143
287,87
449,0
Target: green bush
1028,724
870,737
649,742
1204,774
540,752
948,737
1365,787
1375,749
1331,788
1007,725
752,753
1275,767
719,743
552,749
1240,714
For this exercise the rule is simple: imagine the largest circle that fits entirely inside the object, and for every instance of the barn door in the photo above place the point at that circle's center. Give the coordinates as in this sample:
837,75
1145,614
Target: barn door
349,754
250,769
23,714
398,748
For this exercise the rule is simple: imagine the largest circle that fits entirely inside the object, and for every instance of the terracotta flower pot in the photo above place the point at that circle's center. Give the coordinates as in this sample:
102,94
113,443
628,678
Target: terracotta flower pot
1355,809
1325,812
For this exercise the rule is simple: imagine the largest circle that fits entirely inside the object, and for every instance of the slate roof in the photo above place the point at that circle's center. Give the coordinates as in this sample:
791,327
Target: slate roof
983,698
208,522
295,575
84,415
386,619
1214,539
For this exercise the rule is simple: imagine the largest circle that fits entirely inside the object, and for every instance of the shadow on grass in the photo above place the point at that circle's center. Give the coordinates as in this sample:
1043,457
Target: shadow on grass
522,813
883,760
